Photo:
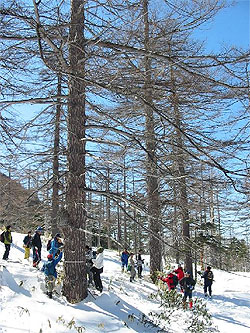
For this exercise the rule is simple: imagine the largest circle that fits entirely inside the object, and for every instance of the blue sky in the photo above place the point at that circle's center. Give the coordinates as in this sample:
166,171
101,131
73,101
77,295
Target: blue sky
231,26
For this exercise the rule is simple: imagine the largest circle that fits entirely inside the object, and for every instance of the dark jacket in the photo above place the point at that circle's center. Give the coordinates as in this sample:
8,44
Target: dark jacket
187,283
7,237
208,277
49,267
36,241
124,257
139,259
27,241
89,256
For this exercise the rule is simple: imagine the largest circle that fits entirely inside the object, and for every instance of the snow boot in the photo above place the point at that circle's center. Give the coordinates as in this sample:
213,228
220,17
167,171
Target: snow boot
50,294
190,304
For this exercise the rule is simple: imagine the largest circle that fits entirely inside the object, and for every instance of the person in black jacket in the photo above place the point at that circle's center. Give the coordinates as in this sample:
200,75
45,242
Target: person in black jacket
37,246
89,263
208,277
7,242
27,244
187,283
139,263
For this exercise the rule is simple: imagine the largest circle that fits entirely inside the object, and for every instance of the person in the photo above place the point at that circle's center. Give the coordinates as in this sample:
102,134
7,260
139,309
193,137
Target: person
187,283
56,244
132,267
97,268
171,280
89,264
27,244
179,272
37,246
124,259
139,263
208,277
7,242
49,269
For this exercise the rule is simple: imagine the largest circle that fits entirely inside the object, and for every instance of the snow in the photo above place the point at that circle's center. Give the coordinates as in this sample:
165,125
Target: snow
122,307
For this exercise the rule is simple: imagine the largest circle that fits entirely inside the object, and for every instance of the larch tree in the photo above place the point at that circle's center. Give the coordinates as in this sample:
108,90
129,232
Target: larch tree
75,271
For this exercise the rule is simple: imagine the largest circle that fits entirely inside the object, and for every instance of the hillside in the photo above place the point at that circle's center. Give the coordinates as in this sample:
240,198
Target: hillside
18,206
122,307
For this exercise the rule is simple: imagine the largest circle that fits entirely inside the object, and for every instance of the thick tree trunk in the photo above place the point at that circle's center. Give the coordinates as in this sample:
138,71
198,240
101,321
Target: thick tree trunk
55,186
182,186
155,247
75,285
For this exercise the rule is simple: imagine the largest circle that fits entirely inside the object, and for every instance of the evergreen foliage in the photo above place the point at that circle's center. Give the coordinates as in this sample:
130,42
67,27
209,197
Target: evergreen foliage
198,319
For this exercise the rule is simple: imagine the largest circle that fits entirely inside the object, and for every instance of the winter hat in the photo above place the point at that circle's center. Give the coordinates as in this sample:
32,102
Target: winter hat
57,235
8,227
100,249
39,229
50,256
208,268
188,273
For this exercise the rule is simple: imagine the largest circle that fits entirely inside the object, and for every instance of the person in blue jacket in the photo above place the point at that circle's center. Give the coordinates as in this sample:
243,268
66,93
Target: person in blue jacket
49,269
56,244
124,259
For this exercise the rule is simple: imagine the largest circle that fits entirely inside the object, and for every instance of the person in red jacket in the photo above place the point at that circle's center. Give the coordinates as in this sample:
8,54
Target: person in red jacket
171,280
179,272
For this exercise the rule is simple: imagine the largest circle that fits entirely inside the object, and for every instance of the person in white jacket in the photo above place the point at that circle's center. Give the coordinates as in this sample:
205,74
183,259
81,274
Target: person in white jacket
97,269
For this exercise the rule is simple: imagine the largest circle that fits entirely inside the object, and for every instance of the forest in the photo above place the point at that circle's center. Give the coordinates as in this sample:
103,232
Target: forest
118,128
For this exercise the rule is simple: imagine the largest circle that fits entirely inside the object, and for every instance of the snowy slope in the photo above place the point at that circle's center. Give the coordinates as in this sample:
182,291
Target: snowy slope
120,308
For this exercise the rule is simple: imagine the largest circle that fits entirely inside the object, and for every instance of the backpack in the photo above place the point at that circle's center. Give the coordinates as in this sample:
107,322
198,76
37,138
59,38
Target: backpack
49,244
210,275
175,280
2,237
49,268
94,254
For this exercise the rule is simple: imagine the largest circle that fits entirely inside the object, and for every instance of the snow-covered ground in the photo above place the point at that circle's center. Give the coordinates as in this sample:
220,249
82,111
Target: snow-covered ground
122,307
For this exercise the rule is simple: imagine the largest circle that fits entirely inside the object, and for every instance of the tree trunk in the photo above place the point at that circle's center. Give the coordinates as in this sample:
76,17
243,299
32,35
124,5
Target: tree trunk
119,228
55,186
75,285
182,180
125,234
155,247
108,212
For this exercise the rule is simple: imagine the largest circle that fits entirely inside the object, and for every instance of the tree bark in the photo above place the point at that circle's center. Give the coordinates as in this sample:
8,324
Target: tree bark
55,186
182,186
75,285
155,247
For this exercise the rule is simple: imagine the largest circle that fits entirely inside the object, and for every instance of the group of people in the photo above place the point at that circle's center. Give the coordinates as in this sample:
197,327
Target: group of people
130,262
34,242
94,265
187,283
